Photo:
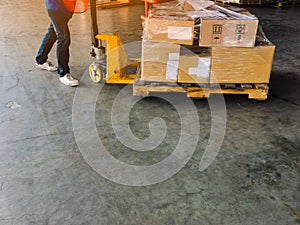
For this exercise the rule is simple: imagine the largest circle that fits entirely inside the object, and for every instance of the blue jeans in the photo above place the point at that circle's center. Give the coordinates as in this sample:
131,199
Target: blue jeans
57,31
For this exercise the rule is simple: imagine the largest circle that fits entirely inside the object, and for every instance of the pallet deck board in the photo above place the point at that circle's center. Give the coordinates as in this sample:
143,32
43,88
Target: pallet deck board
254,91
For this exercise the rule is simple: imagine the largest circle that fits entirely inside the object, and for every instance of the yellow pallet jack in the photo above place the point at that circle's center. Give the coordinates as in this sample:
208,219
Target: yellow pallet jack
111,62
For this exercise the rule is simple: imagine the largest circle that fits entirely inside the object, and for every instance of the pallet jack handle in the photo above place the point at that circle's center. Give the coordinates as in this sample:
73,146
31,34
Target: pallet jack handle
94,27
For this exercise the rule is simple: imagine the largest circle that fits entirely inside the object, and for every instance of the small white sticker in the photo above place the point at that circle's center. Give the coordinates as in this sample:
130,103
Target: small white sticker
180,33
203,67
172,70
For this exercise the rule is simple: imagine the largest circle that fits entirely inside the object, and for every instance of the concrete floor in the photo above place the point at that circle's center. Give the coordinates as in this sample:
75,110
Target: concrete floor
255,178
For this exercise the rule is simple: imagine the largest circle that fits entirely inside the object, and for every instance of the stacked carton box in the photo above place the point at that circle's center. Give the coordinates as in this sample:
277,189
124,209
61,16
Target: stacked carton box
200,42
242,65
194,65
160,61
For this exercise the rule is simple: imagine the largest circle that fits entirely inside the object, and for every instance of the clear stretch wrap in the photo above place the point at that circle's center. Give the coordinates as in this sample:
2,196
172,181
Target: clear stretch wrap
243,65
207,46
202,23
159,61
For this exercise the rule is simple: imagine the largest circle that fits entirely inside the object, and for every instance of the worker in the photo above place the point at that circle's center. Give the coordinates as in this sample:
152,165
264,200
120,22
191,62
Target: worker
57,31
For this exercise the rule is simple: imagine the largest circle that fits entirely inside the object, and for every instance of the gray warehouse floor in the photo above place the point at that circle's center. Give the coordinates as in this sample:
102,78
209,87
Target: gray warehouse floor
44,179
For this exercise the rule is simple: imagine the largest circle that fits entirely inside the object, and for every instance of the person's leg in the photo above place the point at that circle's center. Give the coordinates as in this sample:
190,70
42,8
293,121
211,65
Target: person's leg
60,23
46,45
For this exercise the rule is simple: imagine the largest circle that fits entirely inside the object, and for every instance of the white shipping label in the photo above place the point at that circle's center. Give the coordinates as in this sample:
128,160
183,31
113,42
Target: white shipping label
203,67
173,56
172,70
180,33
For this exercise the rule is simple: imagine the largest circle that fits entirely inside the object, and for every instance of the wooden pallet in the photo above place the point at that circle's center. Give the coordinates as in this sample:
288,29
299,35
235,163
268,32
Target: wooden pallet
254,91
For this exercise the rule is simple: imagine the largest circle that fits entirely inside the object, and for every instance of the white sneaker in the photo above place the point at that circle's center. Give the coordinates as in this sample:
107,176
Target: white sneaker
69,80
46,66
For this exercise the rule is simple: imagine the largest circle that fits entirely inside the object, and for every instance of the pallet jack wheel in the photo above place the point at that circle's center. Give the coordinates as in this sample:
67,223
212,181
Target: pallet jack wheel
95,72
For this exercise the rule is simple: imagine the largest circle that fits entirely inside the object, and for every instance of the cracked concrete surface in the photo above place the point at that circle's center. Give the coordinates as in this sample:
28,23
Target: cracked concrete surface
44,179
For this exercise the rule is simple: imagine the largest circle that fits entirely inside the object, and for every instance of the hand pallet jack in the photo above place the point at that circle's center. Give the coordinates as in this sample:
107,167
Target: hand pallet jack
112,63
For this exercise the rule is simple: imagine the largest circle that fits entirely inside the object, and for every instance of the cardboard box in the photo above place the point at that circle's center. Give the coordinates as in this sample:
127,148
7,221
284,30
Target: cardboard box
177,30
159,52
194,65
194,69
242,65
159,62
160,72
228,32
